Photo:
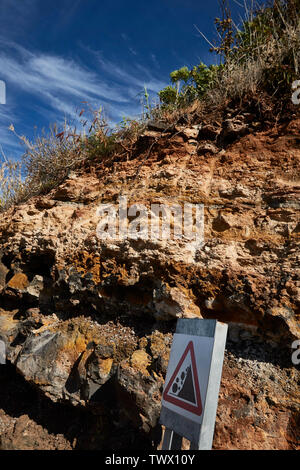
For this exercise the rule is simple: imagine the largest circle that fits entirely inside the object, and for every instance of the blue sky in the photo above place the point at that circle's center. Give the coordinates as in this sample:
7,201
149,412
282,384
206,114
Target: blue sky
56,54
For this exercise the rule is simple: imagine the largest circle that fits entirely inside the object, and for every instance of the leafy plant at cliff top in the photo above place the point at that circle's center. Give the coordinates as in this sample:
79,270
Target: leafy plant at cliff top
261,55
270,38
196,82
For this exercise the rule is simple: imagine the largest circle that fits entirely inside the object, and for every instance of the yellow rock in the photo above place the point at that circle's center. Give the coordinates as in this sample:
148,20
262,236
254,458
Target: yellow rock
18,281
105,366
140,360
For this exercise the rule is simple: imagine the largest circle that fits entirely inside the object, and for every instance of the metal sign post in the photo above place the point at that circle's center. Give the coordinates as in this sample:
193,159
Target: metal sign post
2,352
190,396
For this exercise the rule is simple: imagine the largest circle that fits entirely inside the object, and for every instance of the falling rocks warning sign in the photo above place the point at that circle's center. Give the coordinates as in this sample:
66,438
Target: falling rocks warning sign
190,395
187,376
183,388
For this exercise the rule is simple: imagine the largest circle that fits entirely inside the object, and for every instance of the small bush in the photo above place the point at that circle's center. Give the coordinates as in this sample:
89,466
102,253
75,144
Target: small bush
262,56
48,160
196,82
11,184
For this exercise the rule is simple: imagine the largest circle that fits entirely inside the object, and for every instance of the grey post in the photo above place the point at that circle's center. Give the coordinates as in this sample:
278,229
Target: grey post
2,352
172,440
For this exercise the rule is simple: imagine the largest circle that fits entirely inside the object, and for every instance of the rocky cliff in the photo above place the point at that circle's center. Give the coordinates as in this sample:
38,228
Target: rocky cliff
88,322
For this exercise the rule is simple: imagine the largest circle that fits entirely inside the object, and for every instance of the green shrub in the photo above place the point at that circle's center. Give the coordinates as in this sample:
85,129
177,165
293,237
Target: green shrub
196,81
168,95
261,56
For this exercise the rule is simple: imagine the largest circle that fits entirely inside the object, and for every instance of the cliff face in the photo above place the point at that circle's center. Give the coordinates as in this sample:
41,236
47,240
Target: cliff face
88,322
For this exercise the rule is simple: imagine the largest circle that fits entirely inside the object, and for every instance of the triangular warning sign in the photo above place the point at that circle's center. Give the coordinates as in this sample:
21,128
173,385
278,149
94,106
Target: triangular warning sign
183,387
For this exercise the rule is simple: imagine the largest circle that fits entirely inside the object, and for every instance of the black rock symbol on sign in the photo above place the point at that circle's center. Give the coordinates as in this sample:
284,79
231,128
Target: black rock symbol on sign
183,386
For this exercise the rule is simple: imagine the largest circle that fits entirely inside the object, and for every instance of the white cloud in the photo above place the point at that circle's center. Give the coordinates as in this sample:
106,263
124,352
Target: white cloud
124,37
50,76
56,86
133,51
134,78
155,61
63,83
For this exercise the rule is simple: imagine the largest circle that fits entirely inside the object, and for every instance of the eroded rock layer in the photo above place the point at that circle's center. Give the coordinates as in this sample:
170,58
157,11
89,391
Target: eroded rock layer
88,322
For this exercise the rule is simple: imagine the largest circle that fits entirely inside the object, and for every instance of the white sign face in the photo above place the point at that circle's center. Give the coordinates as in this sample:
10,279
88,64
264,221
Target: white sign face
187,376
2,92
190,396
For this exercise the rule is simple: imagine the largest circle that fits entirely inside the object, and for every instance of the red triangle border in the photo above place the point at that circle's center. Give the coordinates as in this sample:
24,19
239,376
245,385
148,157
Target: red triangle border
195,409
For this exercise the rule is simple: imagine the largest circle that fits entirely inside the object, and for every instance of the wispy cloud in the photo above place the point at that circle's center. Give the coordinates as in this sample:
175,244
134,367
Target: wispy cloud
134,77
58,80
155,61
49,76
124,37
56,86
133,51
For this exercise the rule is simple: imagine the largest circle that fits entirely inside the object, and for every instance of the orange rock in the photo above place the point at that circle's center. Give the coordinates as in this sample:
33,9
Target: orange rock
140,360
19,281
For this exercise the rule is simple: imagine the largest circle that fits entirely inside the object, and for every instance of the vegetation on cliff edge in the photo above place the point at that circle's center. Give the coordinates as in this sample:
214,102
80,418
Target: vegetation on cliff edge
258,63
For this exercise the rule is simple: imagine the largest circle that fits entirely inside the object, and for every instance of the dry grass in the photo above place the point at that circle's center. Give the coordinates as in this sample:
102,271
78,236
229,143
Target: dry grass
269,62
11,183
48,160
44,164
263,62
264,66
